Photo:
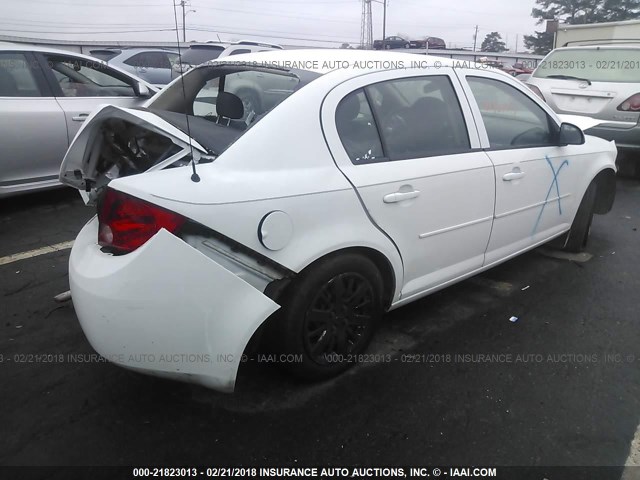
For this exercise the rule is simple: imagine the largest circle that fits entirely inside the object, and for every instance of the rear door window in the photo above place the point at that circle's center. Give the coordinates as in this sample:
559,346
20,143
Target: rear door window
358,130
16,76
419,117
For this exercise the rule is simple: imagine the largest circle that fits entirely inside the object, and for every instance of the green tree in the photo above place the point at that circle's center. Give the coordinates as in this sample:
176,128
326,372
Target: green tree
493,43
577,12
539,43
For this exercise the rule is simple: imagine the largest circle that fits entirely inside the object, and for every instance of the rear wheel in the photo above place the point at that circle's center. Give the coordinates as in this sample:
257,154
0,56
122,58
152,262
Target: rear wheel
330,315
581,227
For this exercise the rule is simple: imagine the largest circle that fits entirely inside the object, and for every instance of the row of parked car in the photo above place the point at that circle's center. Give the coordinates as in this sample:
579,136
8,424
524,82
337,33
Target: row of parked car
160,66
395,41
47,94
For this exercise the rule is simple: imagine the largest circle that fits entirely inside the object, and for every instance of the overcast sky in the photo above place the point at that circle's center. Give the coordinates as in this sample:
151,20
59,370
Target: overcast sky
289,22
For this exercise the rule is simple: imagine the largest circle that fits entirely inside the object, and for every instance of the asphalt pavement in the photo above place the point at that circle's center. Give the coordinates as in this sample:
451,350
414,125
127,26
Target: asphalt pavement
462,384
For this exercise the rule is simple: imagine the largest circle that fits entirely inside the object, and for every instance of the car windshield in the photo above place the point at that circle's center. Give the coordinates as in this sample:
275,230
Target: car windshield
593,64
198,55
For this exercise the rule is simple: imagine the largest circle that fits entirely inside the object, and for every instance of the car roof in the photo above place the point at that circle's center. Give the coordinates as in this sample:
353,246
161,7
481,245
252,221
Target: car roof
322,61
134,51
610,46
20,47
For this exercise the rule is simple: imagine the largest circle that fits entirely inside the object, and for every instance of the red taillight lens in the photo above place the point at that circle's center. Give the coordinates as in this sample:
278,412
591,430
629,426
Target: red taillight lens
535,90
127,222
631,104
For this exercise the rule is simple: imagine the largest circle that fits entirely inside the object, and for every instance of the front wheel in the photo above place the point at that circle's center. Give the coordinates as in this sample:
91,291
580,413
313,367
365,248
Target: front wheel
581,227
329,316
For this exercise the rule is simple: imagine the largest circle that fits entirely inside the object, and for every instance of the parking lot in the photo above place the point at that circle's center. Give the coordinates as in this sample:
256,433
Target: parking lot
457,382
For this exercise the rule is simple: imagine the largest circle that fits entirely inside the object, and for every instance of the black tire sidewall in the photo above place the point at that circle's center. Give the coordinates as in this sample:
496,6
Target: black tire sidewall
578,235
302,293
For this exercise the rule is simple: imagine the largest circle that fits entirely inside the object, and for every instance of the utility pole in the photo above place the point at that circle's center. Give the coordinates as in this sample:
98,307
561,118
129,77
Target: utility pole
475,39
184,4
384,25
184,22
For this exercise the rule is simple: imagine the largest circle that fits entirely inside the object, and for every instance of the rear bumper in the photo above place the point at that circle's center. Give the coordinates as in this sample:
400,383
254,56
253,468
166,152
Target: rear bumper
625,138
165,309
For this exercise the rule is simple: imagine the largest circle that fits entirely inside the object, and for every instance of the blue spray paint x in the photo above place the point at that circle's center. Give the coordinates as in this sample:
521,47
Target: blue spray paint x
553,182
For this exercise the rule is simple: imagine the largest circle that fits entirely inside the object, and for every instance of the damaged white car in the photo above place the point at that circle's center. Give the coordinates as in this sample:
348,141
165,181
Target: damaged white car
302,194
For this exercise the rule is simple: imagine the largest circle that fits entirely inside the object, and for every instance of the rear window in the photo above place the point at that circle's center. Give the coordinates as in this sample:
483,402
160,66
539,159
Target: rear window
198,55
104,54
594,64
249,93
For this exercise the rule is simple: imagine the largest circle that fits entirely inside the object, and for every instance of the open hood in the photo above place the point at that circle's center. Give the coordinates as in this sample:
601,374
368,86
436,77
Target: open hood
116,142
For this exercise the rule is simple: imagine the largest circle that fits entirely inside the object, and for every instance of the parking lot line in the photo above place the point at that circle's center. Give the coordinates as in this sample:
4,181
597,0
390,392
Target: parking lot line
35,253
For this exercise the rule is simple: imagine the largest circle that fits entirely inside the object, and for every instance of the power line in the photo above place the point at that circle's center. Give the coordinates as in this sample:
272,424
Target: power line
276,14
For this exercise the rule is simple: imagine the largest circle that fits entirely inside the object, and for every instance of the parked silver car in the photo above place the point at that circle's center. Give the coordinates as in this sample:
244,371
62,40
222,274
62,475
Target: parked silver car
152,65
599,81
45,95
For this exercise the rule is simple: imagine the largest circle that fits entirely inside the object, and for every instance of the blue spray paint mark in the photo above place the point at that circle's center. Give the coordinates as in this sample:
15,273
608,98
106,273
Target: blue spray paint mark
557,185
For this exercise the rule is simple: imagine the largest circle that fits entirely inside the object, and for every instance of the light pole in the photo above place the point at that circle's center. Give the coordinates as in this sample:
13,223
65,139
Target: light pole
184,24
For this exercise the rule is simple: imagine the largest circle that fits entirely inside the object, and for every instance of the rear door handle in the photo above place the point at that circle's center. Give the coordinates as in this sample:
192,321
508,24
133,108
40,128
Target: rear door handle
80,118
508,177
400,196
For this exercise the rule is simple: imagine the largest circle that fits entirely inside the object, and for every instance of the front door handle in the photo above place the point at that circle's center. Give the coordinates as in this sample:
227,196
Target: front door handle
512,176
80,118
400,196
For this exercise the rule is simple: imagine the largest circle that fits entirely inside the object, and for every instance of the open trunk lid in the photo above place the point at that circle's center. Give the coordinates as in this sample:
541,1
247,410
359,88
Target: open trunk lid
116,142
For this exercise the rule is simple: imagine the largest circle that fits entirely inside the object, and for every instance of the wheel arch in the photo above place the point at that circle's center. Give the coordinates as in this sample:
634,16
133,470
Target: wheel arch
276,289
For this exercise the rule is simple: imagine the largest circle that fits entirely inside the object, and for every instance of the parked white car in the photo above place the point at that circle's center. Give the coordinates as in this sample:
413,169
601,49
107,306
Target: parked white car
599,81
358,190
45,96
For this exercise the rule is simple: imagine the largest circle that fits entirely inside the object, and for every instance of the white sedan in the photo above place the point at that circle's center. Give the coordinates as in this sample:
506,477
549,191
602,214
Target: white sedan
358,182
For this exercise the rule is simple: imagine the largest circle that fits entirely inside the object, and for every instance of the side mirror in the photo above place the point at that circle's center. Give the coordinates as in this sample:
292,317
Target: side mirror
141,90
570,135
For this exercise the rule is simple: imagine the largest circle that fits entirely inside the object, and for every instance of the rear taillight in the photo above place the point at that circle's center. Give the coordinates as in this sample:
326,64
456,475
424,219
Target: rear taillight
536,90
127,222
631,104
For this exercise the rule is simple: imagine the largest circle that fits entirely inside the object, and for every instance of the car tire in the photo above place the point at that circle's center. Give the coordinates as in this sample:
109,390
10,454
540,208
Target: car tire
387,47
329,315
406,45
578,236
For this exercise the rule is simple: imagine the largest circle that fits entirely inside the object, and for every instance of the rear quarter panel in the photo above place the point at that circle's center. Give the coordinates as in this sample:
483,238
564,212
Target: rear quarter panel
282,163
